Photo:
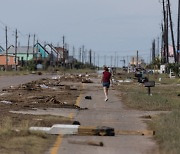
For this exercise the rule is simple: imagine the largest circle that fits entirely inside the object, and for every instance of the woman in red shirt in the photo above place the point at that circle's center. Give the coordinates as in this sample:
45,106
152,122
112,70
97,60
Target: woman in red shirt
106,77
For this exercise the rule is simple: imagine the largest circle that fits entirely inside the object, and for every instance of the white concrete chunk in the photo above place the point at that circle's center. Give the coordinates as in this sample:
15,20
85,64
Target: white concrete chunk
58,129
43,129
64,129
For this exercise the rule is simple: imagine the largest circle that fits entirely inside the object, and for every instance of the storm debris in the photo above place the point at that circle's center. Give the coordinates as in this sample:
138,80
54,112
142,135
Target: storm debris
42,93
93,143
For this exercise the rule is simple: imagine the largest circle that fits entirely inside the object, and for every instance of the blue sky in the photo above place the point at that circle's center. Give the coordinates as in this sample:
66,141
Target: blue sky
108,27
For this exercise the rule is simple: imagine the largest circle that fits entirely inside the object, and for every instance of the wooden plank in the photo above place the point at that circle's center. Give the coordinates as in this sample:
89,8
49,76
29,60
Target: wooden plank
131,132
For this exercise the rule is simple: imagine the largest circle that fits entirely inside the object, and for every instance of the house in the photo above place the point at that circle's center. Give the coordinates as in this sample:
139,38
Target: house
53,54
41,52
63,53
10,61
25,53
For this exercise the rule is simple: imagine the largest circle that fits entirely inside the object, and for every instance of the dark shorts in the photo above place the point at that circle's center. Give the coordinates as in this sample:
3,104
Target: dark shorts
106,84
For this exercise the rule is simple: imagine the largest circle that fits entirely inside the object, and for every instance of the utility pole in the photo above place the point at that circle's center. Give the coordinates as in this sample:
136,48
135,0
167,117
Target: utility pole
79,54
98,62
172,33
28,48
83,54
63,51
111,60
157,52
115,60
6,50
16,49
94,59
73,53
34,45
162,45
178,33
167,34
51,57
153,50
90,57
105,60
137,58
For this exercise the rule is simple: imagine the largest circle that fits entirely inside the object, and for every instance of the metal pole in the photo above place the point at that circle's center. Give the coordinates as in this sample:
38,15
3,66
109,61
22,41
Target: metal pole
33,45
6,50
16,49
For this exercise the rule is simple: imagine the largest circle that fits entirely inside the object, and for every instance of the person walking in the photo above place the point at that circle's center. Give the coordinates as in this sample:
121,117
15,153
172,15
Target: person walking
106,77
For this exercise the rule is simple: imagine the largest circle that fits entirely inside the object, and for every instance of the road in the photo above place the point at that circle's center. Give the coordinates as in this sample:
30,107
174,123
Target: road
112,114
6,81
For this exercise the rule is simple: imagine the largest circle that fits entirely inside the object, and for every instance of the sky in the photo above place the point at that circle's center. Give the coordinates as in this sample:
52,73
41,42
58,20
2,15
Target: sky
116,28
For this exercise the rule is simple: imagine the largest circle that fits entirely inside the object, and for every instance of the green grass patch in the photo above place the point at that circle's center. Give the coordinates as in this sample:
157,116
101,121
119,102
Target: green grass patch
16,138
163,97
163,79
167,128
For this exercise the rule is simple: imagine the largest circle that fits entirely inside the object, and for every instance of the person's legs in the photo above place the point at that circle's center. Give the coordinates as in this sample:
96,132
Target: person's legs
105,93
105,88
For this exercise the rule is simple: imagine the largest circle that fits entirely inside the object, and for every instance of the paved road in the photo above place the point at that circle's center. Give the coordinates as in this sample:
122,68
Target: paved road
6,81
99,113
112,114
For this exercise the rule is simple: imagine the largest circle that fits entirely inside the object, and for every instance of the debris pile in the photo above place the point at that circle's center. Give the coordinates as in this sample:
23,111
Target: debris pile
40,94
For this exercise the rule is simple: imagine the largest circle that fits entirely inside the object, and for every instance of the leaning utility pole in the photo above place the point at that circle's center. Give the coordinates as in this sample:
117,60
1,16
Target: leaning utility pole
16,49
172,33
178,33
167,34
164,33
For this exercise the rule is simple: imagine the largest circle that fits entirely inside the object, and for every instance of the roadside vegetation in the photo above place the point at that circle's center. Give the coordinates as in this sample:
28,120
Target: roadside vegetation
16,138
165,97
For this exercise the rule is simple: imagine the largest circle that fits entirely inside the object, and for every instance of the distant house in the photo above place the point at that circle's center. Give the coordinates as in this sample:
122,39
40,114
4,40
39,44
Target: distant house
53,53
41,52
63,53
25,53
10,61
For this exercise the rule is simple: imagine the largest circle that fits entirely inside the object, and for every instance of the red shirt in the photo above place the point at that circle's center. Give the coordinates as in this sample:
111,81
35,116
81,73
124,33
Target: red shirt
106,76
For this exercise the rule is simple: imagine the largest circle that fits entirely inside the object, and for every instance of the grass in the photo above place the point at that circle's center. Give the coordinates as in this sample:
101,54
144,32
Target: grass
164,79
167,128
16,138
165,97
